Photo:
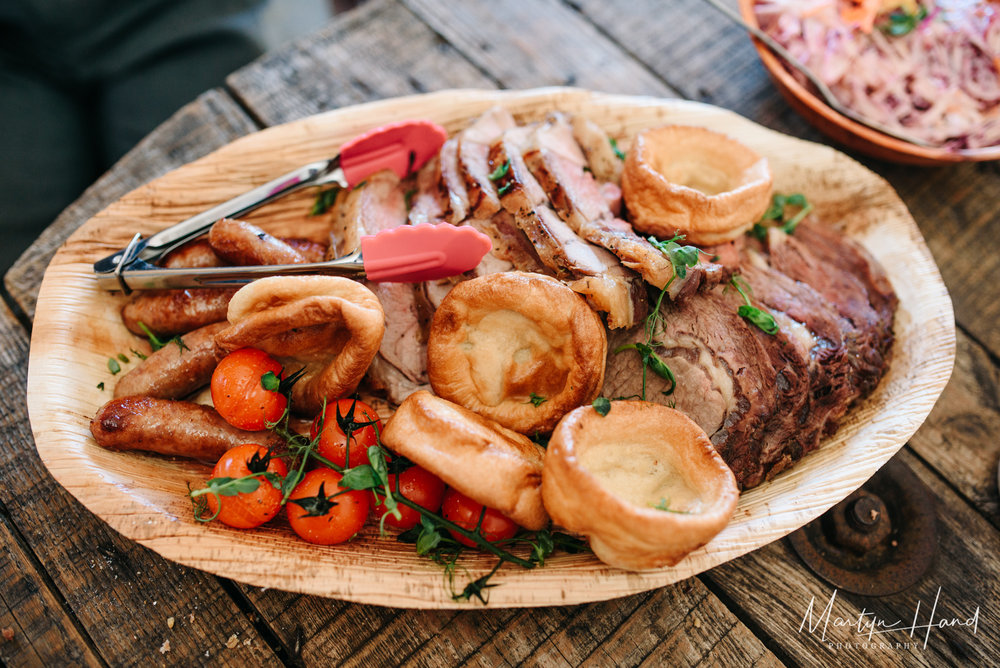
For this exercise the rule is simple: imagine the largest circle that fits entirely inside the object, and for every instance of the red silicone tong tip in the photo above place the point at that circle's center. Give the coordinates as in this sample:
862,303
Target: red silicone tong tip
403,147
424,252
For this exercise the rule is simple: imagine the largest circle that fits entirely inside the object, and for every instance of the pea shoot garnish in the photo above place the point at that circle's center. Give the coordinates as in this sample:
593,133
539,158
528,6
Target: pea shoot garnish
537,400
324,200
602,405
779,214
763,320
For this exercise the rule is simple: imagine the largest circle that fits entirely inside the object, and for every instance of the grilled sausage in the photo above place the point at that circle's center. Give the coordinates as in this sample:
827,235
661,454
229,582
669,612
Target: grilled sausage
241,243
197,253
168,427
170,312
310,250
173,372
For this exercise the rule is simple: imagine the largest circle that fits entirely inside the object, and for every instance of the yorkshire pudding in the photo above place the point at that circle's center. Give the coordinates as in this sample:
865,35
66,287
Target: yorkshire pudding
487,462
695,182
332,326
520,348
643,483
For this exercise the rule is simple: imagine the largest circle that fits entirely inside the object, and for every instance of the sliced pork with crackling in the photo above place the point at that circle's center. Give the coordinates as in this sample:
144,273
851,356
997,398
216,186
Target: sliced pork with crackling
556,161
379,204
473,159
587,269
428,200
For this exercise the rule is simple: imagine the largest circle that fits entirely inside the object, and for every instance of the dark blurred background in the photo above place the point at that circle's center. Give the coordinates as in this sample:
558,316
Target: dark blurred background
82,81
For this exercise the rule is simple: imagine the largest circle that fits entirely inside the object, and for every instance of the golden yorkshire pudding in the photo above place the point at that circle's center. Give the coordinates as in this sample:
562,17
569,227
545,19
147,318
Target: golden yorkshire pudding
695,182
487,462
333,326
643,483
520,348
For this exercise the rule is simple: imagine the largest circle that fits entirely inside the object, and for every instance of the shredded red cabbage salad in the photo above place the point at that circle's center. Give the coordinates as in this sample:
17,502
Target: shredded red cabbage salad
930,68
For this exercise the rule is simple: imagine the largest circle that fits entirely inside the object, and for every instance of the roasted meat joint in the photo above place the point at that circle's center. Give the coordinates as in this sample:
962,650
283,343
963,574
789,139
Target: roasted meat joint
655,327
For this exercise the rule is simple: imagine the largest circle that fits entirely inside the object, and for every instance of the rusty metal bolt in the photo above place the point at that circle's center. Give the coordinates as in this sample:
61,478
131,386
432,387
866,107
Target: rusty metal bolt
861,522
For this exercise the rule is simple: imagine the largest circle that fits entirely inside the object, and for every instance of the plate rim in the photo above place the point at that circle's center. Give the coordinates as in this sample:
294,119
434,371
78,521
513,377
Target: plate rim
612,583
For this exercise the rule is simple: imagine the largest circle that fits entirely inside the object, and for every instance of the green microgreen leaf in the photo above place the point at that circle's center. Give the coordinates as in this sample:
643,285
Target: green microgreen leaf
537,400
500,171
123,358
504,189
614,147
755,316
681,257
762,319
100,385
360,477
324,200
138,354
778,212
226,486
113,366
602,405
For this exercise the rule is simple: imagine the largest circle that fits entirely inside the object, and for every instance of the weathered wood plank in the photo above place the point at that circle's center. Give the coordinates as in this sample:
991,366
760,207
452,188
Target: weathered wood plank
123,594
683,624
540,43
956,210
699,53
377,51
43,634
195,130
775,588
959,438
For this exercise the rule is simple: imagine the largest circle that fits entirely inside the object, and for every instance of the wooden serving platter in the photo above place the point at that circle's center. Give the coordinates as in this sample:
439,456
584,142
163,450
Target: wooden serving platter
77,328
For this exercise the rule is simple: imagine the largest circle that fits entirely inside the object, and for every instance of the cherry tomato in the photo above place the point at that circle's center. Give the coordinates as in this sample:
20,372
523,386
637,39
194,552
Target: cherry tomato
333,442
247,509
238,394
326,514
465,512
420,486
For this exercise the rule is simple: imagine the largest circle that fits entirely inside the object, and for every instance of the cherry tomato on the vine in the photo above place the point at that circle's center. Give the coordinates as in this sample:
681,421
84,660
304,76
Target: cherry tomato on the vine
420,486
333,443
238,393
465,512
322,512
247,510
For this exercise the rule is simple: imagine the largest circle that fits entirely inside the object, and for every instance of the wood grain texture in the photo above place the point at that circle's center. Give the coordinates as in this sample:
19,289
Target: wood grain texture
538,43
196,129
378,51
681,624
775,588
958,217
959,438
106,580
143,497
43,633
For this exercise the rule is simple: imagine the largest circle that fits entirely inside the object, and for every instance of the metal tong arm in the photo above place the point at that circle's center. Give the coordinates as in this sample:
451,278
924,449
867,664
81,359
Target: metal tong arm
157,278
156,246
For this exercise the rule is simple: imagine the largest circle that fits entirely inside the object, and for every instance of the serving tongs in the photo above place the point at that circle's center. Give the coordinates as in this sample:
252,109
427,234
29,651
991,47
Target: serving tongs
405,254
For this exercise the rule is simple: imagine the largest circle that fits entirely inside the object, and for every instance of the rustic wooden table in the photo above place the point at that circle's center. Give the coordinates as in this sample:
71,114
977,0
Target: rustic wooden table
72,591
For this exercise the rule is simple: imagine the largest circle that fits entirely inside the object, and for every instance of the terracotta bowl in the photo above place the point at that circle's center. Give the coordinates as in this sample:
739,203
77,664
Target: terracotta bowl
844,130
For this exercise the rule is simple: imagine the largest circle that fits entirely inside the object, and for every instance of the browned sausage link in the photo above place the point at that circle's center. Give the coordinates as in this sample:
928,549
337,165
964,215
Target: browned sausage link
168,427
170,312
241,243
310,250
173,372
197,253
